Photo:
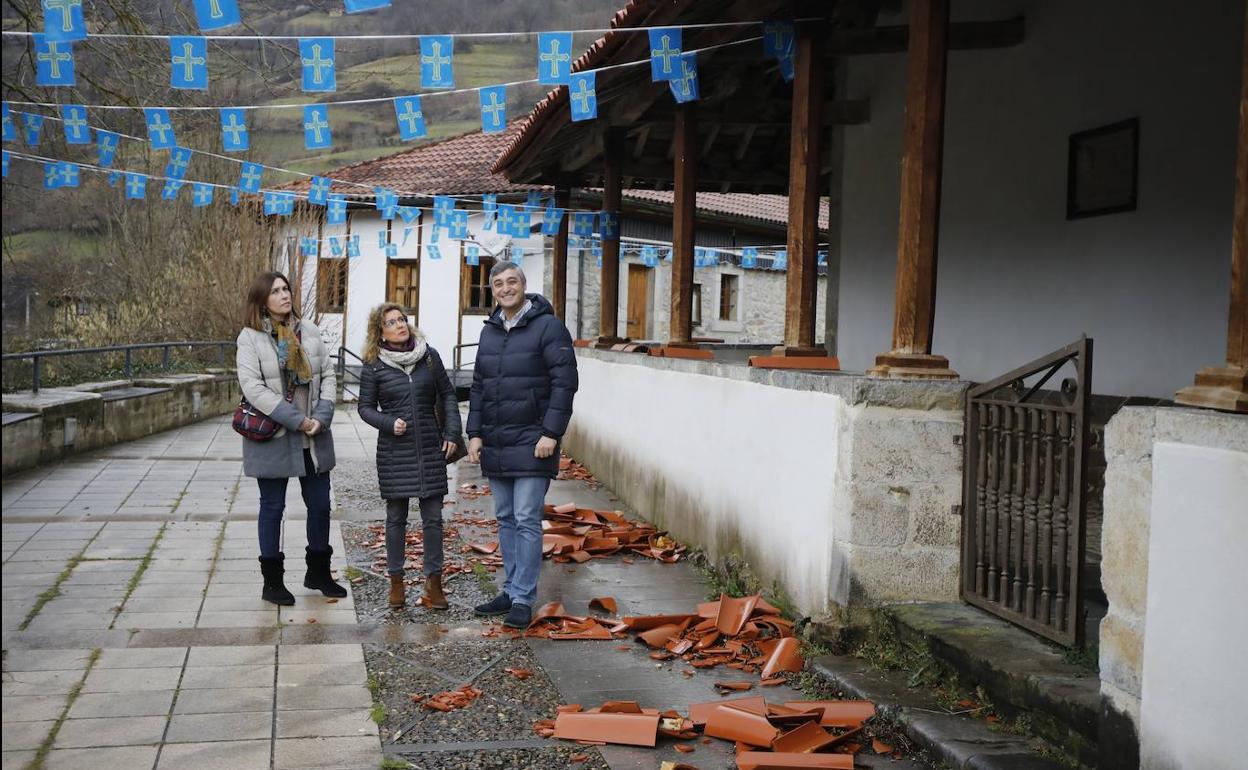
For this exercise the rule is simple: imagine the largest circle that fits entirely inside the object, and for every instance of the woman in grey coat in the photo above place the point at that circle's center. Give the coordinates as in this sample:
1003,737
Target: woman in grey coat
285,372
402,383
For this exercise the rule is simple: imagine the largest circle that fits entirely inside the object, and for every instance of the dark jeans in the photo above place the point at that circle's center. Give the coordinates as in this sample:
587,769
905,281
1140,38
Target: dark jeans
396,533
315,489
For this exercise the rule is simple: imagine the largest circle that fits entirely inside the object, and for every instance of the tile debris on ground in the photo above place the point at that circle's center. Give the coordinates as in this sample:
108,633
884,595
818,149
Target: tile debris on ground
134,636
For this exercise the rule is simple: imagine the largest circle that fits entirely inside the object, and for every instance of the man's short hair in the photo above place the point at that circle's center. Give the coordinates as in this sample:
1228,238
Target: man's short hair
503,266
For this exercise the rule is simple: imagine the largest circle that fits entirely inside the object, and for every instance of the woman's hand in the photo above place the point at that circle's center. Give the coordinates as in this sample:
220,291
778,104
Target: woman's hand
306,425
448,448
313,427
400,427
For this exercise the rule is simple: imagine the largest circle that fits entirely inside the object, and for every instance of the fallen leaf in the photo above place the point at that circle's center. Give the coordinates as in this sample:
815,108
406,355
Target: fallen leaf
684,748
578,757
880,747
519,673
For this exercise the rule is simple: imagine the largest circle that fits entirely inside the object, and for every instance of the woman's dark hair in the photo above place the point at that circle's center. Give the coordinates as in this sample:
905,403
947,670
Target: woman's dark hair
257,307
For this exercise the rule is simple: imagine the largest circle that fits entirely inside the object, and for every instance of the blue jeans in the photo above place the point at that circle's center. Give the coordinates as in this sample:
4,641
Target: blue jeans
315,488
518,505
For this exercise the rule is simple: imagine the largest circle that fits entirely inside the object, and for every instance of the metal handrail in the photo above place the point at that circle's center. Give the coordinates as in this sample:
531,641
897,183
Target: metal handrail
37,356
340,368
458,354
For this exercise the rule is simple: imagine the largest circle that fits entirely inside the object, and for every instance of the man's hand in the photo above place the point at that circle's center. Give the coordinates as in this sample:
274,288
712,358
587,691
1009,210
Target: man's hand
313,427
474,450
400,427
545,447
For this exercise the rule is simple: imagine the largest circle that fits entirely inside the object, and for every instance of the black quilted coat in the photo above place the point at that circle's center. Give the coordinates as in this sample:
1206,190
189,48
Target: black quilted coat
411,465
522,387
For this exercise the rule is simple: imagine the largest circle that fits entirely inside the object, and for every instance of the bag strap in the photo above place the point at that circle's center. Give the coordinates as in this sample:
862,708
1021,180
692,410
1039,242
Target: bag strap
437,407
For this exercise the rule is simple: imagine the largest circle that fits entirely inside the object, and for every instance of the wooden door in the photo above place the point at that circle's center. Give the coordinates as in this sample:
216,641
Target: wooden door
638,297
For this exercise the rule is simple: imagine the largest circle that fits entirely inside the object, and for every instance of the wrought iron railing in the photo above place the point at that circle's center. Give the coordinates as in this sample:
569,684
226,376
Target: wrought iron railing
1023,500
348,374
37,358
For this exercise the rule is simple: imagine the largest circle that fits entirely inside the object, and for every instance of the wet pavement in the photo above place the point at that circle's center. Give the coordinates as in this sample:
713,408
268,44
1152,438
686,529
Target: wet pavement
134,635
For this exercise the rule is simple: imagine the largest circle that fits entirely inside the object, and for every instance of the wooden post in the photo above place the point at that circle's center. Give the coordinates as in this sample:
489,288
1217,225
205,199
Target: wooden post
685,176
1227,387
609,299
803,234
559,271
915,301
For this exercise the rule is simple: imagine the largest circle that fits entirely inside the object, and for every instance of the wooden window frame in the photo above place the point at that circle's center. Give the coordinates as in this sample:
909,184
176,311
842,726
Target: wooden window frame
696,304
325,266
729,296
467,284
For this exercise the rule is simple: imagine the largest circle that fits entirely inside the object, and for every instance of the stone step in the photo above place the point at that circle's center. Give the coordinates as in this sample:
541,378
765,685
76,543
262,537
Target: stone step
949,740
1019,673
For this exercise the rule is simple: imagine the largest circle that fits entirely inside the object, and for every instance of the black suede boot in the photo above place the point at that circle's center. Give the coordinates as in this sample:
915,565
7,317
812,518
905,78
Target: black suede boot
318,577
274,588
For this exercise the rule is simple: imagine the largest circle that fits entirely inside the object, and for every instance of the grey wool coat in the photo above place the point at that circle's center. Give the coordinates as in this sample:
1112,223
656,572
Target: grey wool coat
260,377
411,465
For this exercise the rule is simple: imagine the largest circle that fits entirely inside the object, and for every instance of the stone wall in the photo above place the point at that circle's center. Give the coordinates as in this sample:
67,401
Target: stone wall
97,422
1130,440
836,490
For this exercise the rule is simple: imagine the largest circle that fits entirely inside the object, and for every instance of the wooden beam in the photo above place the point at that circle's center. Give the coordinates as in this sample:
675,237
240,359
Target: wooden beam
643,134
744,145
684,217
709,142
559,271
609,297
915,296
803,236
1227,387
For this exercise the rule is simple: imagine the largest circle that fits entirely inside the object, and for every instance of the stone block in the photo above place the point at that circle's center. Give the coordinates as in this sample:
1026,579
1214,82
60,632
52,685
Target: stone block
879,575
1122,653
91,705
326,753
933,522
110,731
1125,535
129,757
224,700
1129,434
216,755
238,726
879,515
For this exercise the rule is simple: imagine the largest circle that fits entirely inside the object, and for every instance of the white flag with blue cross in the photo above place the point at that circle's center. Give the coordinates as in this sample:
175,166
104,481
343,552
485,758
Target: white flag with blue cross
316,133
188,62
489,210
317,57
780,259
159,129
433,252
664,53
62,20
201,194
685,85
51,176
609,225
554,58
271,203
170,191
583,224
307,246
459,225
410,116
68,173
235,196
136,186
106,143
353,246
318,191
472,255
493,109
749,257
778,39
583,96
437,53
216,14
32,128
179,160
506,219
54,62
234,136
249,178
335,246
551,220
74,119
6,162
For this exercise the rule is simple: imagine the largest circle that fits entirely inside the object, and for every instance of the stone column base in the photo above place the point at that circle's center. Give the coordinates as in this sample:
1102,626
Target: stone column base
914,365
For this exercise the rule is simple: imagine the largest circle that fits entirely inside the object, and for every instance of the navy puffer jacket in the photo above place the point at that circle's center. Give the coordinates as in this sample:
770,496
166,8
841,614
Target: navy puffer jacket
522,387
411,465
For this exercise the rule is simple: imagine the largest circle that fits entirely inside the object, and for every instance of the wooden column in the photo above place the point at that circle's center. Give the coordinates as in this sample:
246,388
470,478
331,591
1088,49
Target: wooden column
802,278
609,299
559,271
1227,387
684,210
915,301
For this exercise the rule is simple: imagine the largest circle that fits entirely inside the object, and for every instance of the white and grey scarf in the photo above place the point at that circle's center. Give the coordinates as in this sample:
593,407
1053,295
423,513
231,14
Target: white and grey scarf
404,360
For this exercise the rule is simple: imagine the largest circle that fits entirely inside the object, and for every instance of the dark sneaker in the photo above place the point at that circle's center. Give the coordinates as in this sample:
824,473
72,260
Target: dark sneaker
519,616
499,605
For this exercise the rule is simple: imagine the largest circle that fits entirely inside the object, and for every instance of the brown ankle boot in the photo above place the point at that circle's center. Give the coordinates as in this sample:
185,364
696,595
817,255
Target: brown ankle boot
434,597
398,594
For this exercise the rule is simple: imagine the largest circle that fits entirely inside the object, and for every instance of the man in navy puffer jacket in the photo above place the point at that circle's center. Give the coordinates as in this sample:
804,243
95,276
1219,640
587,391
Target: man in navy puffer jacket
523,383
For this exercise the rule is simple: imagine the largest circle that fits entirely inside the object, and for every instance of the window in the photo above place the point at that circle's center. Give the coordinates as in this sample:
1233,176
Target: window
697,304
403,278
476,298
727,297
331,285
83,307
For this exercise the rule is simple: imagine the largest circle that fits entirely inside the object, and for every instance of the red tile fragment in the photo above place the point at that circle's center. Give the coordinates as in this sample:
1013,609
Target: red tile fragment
786,656
734,686
731,723
615,727
770,760
803,739
880,747
605,603
838,713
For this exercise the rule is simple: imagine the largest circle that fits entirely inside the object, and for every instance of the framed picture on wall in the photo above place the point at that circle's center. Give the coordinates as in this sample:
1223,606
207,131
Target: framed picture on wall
1102,171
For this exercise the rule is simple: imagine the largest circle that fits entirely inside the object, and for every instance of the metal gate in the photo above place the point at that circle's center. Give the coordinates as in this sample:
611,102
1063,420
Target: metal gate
1023,498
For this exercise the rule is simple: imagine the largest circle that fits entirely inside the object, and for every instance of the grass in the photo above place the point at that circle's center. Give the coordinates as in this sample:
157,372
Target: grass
41,755
352,572
1088,656
144,563
53,591
483,577
41,244
393,763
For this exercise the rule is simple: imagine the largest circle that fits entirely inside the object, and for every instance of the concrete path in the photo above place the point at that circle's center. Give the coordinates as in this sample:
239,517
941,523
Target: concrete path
134,635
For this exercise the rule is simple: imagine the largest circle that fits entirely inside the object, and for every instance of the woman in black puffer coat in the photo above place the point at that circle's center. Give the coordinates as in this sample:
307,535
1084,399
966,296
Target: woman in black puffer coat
402,383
